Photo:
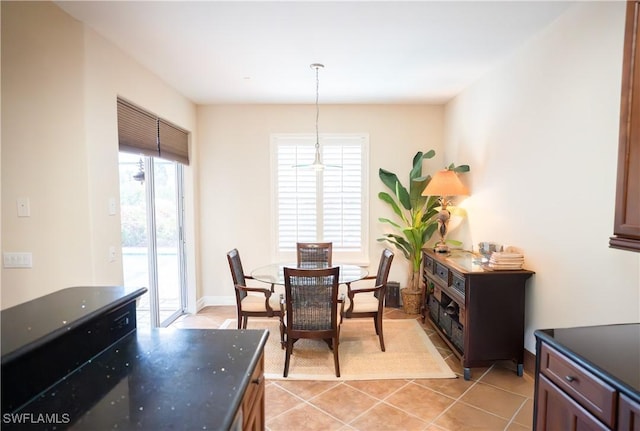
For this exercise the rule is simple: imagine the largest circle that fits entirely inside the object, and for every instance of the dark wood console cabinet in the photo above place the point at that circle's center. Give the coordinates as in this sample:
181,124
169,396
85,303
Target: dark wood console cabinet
626,228
478,312
588,378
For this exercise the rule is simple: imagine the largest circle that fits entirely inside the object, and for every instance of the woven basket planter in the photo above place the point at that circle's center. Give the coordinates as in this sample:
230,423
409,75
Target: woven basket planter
410,301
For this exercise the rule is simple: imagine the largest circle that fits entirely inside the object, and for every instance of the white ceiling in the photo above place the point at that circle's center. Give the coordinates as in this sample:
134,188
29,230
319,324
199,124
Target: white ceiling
373,51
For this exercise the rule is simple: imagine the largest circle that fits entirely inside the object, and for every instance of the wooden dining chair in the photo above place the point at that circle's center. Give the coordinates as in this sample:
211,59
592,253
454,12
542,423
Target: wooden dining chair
311,309
314,253
369,302
251,301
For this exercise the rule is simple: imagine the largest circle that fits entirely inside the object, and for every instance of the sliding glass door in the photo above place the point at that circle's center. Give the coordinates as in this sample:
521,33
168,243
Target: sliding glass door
151,198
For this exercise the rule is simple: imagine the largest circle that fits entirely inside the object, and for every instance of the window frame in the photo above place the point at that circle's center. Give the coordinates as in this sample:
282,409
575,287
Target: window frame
308,139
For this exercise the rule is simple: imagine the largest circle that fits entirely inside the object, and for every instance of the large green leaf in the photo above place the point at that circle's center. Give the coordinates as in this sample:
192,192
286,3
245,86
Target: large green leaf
428,232
391,222
417,187
386,197
392,182
459,169
399,242
416,170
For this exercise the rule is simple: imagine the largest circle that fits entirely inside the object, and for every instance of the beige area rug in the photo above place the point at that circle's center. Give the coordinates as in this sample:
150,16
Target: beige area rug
410,354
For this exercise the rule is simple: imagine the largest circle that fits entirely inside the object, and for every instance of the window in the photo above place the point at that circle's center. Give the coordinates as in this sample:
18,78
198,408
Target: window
328,205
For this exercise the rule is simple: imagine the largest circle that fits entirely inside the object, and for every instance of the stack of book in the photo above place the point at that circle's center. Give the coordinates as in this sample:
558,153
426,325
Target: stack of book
504,260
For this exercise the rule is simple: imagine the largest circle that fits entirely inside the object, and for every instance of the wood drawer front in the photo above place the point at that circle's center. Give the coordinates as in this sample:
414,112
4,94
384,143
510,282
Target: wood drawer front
253,400
442,272
429,264
592,393
457,282
628,414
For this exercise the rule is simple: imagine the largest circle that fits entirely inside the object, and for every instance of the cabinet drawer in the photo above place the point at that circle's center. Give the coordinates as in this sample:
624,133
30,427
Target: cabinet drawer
428,264
588,390
442,272
458,283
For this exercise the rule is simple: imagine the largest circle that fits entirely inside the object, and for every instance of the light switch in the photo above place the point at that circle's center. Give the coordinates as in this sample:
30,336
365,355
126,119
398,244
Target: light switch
112,206
23,207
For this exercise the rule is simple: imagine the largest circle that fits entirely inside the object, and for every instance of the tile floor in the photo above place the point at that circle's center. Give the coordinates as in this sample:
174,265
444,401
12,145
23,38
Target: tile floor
494,399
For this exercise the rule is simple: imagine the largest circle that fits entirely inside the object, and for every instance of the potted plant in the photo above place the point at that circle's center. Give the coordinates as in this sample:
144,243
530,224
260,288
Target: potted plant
417,222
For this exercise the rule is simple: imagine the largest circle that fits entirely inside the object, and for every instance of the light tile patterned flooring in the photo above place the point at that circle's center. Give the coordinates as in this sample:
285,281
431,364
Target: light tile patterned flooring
494,399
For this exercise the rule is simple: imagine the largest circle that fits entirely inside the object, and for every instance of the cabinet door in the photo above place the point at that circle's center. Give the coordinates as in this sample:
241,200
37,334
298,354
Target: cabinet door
253,401
557,411
628,414
627,210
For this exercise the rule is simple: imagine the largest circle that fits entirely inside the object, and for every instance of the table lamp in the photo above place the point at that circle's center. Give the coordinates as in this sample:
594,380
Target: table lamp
443,184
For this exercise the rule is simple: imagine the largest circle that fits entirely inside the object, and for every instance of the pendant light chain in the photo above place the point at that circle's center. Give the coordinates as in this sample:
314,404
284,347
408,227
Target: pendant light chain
317,66
317,161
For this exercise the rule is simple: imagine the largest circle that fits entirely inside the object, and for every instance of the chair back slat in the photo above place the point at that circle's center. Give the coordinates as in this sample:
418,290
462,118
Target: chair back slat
383,268
237,272
314,254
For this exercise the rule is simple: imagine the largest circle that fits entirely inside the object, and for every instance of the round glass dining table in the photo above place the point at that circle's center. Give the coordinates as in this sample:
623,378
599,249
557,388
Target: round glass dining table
274,273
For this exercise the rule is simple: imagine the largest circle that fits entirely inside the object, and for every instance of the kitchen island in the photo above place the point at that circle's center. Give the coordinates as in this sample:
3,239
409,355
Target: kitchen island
588,378
146,380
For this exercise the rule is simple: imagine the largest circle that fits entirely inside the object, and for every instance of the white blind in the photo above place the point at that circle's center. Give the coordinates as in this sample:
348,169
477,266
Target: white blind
328,205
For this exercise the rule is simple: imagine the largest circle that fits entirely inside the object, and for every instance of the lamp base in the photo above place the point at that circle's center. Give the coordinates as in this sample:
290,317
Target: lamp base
441,248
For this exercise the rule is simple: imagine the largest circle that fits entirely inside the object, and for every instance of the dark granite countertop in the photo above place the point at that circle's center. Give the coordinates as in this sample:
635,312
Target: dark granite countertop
612,352
34,323
156,379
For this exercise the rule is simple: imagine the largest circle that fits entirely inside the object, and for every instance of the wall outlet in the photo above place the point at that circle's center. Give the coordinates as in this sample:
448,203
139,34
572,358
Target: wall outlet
17,260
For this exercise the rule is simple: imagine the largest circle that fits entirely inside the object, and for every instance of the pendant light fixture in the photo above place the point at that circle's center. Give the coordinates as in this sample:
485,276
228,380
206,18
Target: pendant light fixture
317,164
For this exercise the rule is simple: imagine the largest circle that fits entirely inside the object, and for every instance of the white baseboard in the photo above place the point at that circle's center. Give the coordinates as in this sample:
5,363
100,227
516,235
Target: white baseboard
207,301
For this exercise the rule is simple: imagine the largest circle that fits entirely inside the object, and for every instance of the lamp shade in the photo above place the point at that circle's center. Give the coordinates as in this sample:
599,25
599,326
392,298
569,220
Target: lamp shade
445,183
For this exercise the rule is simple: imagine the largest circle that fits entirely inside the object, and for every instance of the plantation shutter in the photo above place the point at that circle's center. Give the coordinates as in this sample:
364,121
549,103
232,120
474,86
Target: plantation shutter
296,193
327,205
342,193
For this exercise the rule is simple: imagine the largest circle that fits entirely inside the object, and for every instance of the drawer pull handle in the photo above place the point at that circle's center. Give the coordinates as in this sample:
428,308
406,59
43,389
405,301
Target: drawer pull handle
570,378
257,380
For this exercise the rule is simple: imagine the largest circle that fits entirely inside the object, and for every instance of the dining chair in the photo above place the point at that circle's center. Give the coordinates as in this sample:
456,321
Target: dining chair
251,301
314,253
369,302
311,309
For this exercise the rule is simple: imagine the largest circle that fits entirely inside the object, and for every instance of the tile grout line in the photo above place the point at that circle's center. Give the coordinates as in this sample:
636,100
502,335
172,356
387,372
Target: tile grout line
513,417
378,402
459,398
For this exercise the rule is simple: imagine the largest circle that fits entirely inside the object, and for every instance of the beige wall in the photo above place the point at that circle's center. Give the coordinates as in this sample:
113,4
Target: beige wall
541,134
235,177
60,81
44,156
